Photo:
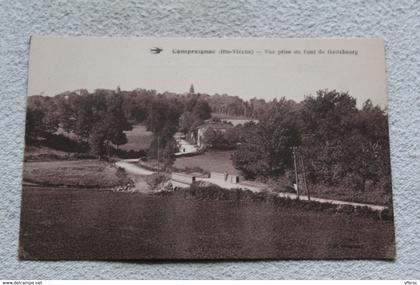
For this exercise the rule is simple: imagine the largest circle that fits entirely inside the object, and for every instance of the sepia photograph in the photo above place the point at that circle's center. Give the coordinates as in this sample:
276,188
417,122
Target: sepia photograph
205,148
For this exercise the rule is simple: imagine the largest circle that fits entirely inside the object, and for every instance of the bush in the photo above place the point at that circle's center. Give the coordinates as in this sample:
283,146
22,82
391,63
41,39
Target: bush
121,172
155,180
43,157
128,154
76,156
63,143
280,184
214,192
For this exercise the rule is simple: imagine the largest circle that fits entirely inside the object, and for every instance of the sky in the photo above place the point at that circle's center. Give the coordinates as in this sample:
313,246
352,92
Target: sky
260,68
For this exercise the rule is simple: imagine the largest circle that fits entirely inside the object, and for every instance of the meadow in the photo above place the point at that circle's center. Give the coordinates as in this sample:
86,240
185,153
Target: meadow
211,160
86,224
138,138
87,173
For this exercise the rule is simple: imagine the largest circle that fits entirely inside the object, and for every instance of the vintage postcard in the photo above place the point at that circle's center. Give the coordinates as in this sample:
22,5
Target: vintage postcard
180,148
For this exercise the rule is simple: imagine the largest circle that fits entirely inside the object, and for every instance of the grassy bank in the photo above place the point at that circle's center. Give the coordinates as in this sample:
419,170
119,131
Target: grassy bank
371,195
43,153
214,192
89,224
74,173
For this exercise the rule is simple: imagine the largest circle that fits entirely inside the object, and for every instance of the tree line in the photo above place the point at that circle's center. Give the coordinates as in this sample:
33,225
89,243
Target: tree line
340,144
100,119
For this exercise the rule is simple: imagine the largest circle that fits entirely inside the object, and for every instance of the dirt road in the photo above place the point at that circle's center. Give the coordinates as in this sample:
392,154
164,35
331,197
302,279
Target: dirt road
186,148
129,167
258,187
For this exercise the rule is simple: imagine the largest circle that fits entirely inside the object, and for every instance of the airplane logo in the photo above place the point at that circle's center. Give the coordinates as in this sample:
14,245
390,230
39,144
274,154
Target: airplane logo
156,50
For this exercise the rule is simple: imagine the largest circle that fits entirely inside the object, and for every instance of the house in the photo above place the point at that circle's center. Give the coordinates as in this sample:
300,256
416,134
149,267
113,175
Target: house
200,131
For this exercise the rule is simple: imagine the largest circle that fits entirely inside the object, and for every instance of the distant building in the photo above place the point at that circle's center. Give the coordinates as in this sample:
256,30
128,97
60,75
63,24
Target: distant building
199,134
236,122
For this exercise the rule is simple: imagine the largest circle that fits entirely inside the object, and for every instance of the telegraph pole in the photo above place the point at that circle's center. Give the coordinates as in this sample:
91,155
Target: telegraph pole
158,154
296,173
304,178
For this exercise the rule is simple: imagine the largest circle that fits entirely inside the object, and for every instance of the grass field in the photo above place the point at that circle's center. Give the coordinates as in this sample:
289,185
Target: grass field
74,173
138,138
211,161
33,153
89,224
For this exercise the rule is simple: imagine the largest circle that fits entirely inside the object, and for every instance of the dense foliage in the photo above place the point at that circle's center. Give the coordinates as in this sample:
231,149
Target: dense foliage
338,143
100,118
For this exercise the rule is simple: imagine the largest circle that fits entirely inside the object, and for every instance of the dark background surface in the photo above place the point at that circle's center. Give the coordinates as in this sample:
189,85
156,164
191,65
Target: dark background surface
73,223
396,21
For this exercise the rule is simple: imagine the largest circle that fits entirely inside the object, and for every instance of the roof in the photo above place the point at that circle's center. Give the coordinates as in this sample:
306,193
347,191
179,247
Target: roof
215,125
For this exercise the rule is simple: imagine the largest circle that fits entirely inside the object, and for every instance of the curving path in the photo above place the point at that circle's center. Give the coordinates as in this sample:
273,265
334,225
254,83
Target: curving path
258,187
129,167
187,148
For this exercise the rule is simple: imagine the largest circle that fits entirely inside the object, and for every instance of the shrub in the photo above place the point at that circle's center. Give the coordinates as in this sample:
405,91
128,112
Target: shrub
128,154
121,173
155,180
64,143
214,192
76,156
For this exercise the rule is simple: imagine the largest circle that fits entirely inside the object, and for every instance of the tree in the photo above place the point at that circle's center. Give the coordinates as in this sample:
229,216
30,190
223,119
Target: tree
202,110
326,121
188,121
163,149
344,145
108,123
41,118
217,139
120,138
156,119
192,89
67,111
105,133
168,153
34,125
371,142
265,148
84,118
97,139
251,156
